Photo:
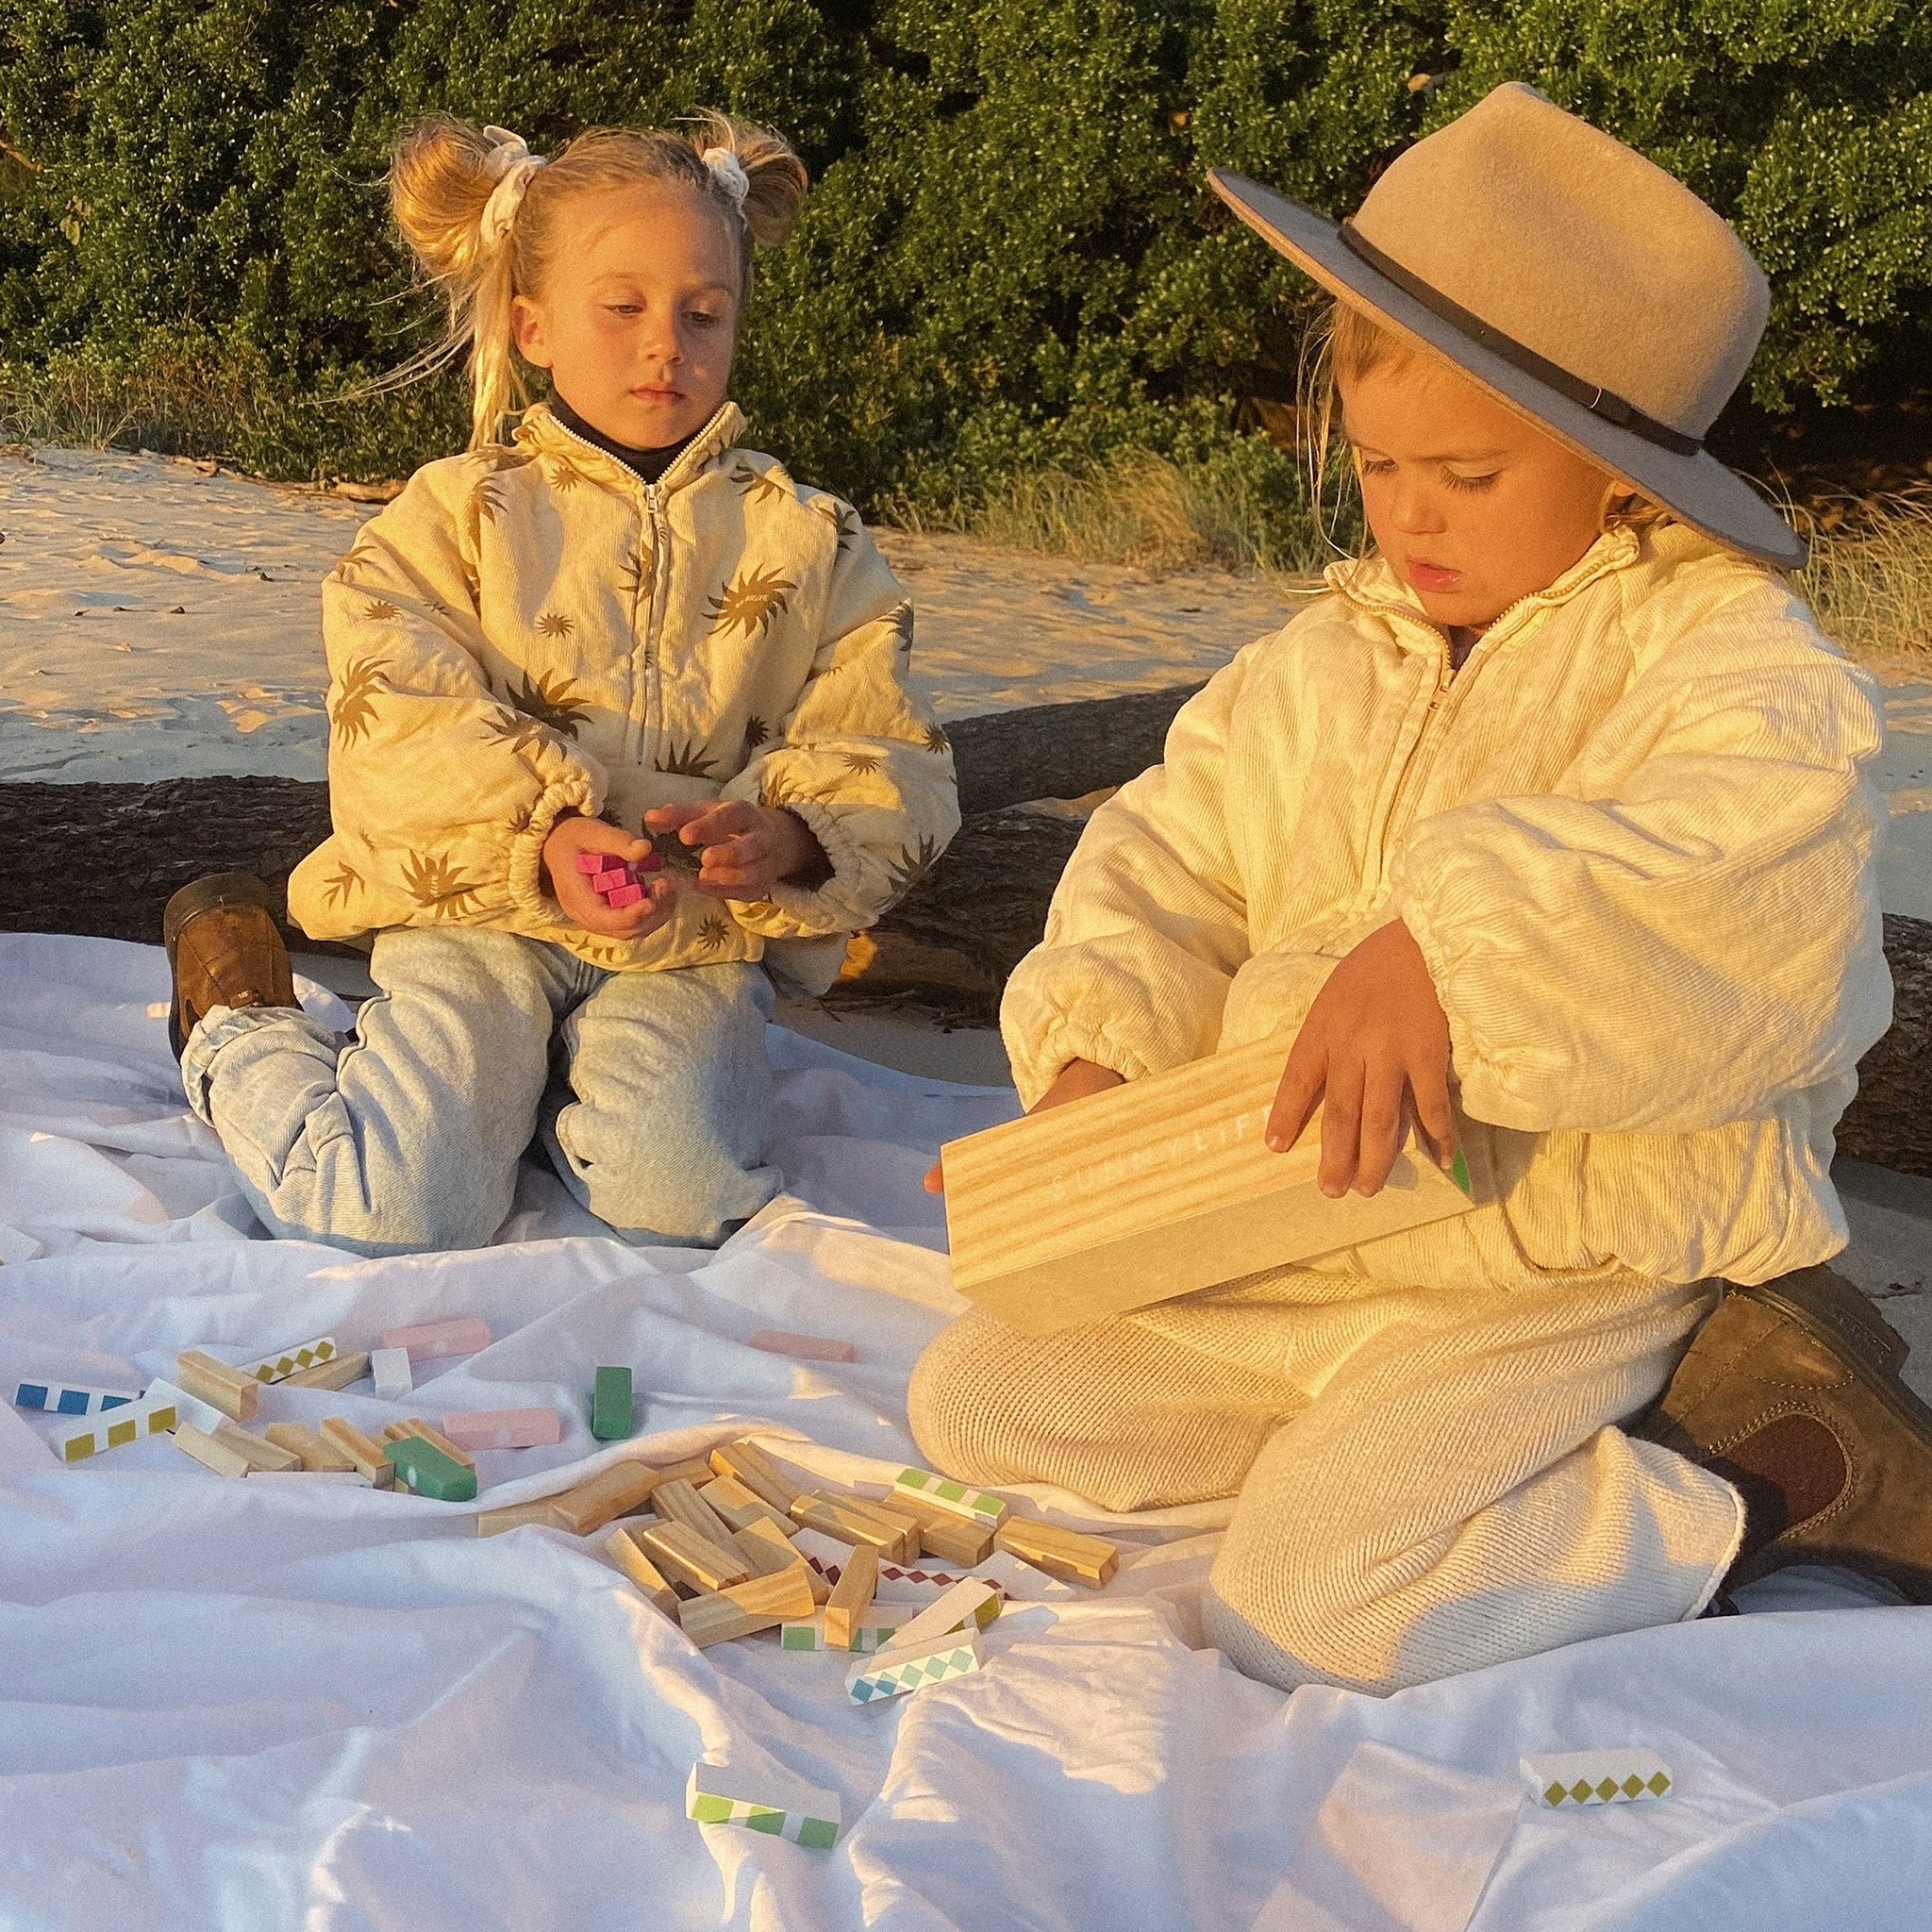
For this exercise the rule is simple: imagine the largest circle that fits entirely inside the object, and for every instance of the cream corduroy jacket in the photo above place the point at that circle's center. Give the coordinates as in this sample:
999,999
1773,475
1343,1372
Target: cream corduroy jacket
533,629
1633,836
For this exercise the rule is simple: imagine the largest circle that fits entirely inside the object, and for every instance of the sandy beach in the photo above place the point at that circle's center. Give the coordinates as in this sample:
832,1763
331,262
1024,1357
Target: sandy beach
157,621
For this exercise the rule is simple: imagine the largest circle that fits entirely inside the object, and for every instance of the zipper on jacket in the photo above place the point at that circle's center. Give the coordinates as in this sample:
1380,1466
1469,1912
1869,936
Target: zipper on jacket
1446,674
649,658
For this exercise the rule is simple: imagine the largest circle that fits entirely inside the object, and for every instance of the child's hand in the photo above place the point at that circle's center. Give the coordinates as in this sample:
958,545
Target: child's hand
580,901
747,848
1074,1081
1377,1041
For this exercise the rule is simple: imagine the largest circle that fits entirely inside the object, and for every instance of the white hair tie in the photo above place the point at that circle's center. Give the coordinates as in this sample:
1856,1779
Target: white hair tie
729,172
510,164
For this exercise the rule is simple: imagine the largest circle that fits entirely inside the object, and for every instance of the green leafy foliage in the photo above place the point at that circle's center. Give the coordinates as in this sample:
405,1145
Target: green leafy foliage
1009,261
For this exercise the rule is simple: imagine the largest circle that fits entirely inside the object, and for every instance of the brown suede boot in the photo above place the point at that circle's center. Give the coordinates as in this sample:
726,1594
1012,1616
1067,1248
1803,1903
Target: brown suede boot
1791,1392
223,950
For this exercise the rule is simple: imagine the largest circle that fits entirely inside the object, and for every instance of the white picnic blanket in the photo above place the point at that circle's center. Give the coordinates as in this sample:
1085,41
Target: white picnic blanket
234,1705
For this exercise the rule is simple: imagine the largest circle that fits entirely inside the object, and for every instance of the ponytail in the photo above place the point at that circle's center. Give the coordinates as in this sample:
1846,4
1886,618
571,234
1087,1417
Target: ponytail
447,175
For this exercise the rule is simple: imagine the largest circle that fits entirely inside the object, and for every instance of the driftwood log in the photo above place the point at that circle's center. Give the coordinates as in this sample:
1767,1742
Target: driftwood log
102,859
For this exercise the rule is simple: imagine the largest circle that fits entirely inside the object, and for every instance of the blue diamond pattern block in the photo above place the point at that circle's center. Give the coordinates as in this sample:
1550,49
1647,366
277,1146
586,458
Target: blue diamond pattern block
893,1672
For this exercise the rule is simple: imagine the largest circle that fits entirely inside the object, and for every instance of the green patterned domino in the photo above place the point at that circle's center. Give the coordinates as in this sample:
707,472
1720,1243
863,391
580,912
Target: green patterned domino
809,1633
291,1361
154,1415
1459,1172
977,1505
763,1801
896,1672
1596,1777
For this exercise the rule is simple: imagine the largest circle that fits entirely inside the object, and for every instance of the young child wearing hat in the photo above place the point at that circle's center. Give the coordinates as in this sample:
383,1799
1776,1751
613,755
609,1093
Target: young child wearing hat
1558,797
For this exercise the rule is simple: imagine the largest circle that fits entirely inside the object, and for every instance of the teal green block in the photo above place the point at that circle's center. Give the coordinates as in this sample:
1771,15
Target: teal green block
423,1466
610,1405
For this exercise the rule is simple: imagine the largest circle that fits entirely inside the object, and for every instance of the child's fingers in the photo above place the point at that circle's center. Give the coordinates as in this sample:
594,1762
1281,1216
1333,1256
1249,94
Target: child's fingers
670,817
1429,1083
1296,1097
1342,1127
1383,1119
649,913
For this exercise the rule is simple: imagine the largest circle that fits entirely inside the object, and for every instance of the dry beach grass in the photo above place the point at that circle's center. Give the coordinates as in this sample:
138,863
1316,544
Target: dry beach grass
1870,576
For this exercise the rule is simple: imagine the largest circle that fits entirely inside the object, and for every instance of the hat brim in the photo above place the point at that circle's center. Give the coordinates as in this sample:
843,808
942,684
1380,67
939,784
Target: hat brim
1696,487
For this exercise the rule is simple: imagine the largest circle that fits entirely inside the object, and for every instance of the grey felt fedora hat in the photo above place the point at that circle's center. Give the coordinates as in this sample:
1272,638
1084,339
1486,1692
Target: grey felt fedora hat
1569,276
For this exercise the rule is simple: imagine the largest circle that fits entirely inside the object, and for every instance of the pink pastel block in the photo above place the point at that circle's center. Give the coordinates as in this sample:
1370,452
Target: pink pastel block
592,862
505,1428
609,881
464,1335
809,1348
625,895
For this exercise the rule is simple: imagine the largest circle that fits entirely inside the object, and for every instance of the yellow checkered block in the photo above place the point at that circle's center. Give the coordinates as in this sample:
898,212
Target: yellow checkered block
309,1354
115,1427
1596,1777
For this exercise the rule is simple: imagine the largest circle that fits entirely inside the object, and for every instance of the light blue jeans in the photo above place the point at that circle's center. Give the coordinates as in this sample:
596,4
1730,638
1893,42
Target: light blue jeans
651,1093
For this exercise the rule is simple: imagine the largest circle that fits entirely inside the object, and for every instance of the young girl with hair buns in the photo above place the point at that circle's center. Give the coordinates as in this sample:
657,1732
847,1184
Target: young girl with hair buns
615,634
1560,797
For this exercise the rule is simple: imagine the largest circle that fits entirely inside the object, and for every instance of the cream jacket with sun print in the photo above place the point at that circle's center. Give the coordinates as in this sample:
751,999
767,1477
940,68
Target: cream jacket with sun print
1633,836
532,629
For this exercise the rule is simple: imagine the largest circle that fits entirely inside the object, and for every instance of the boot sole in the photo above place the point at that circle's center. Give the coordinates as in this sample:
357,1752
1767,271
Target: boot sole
202,896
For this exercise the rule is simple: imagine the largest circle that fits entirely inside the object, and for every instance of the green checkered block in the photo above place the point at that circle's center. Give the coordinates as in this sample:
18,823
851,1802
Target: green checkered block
291,1361
893,1672
783,1808
809,1634
978,1506
1596,1777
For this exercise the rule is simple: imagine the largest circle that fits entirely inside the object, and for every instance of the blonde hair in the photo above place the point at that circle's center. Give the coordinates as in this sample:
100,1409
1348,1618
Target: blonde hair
441,180
1342,345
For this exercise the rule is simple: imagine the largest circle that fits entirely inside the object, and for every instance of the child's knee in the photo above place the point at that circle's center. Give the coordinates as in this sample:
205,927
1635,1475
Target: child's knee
969,1401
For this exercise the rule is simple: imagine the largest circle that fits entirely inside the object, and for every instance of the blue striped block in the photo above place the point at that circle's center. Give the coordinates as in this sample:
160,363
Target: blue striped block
69,1398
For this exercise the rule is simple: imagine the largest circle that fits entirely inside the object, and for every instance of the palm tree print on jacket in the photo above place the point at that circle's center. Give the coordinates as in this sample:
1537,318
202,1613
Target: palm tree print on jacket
436,884
913,865
355,711
842,517
341,882
551,702
684,760
750,601
756,485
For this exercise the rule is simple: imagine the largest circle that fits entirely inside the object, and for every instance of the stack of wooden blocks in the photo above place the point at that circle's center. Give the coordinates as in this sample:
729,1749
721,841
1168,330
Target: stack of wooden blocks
729,1545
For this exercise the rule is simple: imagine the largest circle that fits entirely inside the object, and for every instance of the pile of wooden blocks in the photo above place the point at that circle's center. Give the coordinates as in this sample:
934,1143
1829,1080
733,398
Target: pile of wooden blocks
204,1407
729,1545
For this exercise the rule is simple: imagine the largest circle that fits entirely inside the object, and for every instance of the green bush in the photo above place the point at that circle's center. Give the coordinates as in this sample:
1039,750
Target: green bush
1009,263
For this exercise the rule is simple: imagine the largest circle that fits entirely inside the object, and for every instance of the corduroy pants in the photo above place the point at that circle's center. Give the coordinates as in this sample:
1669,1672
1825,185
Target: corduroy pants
1429,1474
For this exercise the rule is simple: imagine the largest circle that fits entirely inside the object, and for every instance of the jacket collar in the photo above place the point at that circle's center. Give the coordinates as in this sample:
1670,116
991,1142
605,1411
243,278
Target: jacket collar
542,432
1371,583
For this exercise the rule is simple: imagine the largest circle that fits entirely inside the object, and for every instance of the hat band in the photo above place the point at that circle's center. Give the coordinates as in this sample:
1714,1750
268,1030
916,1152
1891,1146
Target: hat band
1589,395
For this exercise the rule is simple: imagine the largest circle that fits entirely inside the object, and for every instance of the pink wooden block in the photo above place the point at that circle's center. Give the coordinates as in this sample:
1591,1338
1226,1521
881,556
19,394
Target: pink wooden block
609,881
464,1335
624,895
505,1428
592,862
809,1348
